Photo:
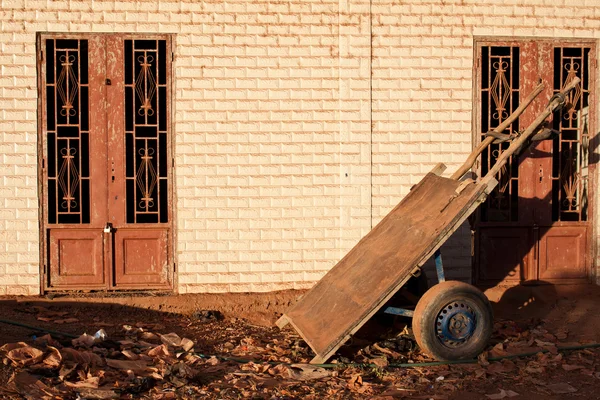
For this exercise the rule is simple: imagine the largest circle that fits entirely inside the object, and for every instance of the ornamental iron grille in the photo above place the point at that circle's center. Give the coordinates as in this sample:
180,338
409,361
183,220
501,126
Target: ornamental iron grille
499,98
146,131
570,149
67,120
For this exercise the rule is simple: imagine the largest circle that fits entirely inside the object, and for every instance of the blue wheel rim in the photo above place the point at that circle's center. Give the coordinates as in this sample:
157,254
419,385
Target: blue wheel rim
455,324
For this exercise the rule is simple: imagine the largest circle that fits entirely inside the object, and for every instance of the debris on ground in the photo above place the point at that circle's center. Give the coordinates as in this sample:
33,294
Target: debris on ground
210,356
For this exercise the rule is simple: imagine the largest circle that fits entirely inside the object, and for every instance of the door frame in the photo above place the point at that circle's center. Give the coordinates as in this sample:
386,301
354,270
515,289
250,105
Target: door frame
594,137
44,248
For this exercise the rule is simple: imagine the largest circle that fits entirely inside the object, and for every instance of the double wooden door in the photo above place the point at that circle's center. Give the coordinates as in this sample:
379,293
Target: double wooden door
535,226
105,161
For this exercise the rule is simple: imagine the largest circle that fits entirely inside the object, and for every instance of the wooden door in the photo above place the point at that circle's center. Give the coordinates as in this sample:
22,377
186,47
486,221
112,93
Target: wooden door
535,226
105,125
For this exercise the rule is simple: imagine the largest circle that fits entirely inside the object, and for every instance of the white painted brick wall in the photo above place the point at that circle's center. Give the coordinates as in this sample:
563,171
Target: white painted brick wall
278,174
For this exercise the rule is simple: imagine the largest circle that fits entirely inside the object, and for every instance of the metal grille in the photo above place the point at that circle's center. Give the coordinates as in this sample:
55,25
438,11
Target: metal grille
499,98
67,126
570,149
146,131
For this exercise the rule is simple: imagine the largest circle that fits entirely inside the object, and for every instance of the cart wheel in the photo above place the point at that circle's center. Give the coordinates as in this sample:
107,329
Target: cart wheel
453,321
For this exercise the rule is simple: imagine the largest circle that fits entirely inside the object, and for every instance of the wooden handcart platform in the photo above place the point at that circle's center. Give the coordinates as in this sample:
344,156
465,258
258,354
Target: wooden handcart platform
395,250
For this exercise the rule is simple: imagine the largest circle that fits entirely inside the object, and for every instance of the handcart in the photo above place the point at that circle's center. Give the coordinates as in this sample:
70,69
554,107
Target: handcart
453,320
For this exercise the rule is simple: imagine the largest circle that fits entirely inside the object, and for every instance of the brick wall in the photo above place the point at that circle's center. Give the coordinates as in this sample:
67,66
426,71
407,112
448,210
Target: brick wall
282,160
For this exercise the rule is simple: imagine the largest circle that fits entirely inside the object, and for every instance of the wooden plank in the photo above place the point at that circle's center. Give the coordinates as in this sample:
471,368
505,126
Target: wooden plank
346,297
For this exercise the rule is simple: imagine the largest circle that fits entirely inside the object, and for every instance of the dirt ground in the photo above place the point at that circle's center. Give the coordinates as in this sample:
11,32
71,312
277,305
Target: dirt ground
238,353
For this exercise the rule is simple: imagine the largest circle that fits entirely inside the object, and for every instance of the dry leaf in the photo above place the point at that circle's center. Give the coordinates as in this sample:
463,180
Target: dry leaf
498,351
569,367
84,340
91,382
66,321
149,336
171,339
98,394
83,358
23,354
138,365
483,359
31,388
380,362
187,344
561,388
66,370
53,359
130,355
503,394
307,372
160,351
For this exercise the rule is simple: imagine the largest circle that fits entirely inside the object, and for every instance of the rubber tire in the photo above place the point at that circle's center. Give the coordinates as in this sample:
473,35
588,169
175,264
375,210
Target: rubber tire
433,302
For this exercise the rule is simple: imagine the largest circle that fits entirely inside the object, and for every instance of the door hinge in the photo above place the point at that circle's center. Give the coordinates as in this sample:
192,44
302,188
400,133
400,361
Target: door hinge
174,267
42,55
172,56
45,269
172,163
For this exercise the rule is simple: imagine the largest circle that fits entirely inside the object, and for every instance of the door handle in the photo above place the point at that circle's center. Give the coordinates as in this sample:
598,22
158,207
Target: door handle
541,173
112,171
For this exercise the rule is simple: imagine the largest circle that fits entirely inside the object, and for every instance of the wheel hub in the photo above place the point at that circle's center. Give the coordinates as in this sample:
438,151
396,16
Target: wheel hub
455,324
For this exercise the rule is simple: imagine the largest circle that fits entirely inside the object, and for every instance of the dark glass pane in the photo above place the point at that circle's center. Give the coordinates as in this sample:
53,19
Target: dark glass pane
485,106
130,203
485,66
76,111
164,204
515,71
83,64
162,154
52,201
49,61
84,109
51,155
69,219
557,69
129,108
162,60
67,44
128,65
145,44
162,112
68,132
85,201
85,155
129,156
50,110
572,52
145,132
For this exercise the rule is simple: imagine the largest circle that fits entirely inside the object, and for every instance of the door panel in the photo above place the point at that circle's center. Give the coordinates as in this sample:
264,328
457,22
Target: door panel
77,258
141,258
543,196
505,253
105,136
563,253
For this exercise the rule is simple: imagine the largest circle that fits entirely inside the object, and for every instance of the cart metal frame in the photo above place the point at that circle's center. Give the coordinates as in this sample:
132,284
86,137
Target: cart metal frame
396,249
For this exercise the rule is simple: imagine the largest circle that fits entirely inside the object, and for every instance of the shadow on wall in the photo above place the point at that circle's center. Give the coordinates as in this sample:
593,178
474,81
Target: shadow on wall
502,263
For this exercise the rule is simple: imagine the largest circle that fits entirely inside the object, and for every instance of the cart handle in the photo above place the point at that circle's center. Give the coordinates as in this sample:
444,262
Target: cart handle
500,129
556,101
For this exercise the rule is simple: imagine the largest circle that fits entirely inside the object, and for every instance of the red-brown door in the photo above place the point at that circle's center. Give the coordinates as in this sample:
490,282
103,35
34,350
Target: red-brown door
105,117
535,226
